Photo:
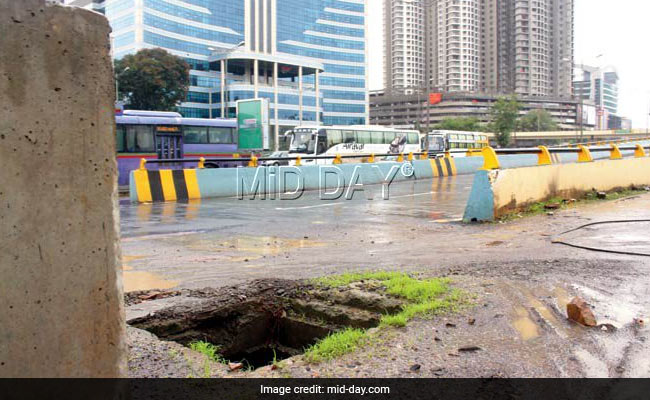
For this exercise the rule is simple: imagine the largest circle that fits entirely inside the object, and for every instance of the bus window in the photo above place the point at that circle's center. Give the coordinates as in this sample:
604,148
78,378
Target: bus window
120,139
453,137
389,137
348,137
363,137
412,138
334,137
139,138
219,135
195,134
321,147
377,137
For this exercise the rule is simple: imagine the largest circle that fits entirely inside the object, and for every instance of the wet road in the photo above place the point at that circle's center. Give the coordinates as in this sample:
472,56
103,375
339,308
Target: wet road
439,199
216,242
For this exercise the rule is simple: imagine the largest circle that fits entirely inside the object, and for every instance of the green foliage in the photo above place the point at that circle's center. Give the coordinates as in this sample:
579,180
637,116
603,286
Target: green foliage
537,121
467,124
397,320
336,345
347,278
415,290
155,80
504,114
209,350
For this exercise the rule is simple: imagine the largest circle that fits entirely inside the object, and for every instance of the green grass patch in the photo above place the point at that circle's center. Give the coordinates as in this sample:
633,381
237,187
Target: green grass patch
336,345
423,297
209,350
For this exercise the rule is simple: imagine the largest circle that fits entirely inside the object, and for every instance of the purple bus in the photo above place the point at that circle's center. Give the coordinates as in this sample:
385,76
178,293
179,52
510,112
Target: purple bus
155,135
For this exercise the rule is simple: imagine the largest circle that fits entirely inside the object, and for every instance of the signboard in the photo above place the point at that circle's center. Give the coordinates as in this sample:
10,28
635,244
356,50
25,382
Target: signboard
253,124
435,98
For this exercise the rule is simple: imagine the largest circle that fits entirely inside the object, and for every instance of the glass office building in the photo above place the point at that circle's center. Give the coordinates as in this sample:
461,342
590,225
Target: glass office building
308,57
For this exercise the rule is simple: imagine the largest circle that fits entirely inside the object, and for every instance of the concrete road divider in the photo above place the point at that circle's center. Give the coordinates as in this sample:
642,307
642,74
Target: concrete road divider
498,192
188,184
171,185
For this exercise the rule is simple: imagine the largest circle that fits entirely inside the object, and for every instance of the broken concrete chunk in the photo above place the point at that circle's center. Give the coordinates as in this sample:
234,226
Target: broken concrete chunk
579,311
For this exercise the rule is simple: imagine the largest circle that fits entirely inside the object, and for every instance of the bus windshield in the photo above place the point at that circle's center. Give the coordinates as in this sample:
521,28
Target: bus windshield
300,141
436,144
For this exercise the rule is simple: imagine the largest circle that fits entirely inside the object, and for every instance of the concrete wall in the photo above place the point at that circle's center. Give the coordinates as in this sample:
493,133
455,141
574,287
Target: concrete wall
61,312
495,193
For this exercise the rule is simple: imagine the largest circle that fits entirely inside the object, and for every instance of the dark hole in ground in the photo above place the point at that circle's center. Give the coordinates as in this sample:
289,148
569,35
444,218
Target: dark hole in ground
261,327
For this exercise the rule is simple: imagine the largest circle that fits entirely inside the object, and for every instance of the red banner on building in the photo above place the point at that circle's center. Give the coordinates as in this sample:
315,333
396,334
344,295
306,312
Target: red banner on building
435,98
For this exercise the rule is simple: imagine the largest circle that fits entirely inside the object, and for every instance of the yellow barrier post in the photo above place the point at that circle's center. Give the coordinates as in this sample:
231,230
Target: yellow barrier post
201,163
615,153
410,156
639,152
490,159
298,161
400,158
371,159
143,162
584,155
253,162
544,156
423,156
236,155
338,159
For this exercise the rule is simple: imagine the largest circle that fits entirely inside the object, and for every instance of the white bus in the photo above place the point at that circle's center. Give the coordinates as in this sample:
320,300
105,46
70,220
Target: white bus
314,141
456,142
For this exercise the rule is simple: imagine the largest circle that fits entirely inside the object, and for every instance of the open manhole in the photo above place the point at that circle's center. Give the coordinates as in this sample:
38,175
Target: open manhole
267,320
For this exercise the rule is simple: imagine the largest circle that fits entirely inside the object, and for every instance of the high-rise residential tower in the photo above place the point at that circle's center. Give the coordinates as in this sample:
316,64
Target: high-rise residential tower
490,46
405,63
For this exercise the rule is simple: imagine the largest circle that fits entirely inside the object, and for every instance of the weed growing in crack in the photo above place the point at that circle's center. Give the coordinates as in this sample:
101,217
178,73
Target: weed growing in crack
209,350
336,345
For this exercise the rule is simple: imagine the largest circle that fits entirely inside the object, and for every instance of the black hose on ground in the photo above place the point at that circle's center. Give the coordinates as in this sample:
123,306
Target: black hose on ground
627,253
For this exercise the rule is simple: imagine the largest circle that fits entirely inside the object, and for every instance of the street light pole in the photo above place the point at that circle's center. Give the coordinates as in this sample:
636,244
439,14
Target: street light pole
117,84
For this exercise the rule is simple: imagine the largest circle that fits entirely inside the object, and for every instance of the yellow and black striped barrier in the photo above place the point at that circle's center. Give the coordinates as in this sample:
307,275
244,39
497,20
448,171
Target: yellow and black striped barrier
445,166
166,185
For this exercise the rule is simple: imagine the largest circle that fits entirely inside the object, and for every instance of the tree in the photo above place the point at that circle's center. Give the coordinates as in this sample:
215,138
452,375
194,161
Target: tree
504,114
467,124
537,121
152,79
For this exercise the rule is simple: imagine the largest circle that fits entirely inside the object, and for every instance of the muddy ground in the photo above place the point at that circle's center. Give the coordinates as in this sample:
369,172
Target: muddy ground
521,282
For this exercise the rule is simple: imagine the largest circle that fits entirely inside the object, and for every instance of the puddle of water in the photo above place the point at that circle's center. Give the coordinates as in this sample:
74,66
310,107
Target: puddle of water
524,324
259,245
318,222
140,280
561,297
131,258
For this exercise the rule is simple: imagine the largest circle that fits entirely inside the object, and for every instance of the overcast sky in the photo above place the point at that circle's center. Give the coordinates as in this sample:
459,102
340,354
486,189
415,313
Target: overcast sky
619,30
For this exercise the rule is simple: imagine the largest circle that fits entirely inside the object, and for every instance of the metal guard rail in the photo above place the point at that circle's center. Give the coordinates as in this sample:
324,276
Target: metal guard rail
253,161
491,159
